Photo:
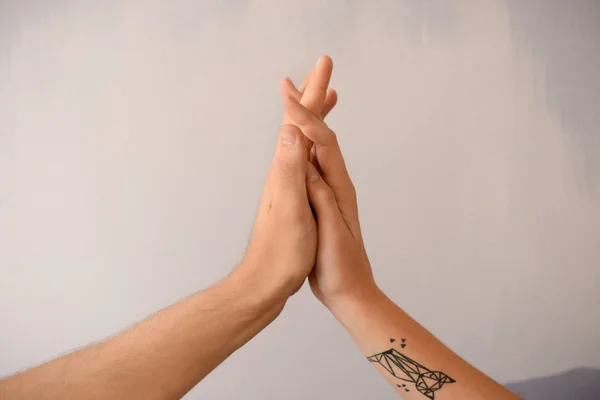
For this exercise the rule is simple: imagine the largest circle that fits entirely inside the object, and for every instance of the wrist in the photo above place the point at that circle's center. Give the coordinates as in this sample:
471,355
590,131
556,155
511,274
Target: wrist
258,293
363,297
371,318
365,314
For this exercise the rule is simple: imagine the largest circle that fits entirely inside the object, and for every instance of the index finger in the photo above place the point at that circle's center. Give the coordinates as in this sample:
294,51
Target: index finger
313,96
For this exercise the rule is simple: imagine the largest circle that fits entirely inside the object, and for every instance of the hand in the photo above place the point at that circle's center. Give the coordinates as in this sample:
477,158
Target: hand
342,268
282,250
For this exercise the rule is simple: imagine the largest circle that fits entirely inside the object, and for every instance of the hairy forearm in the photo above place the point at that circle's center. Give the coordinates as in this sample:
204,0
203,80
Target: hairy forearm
160,358
409,356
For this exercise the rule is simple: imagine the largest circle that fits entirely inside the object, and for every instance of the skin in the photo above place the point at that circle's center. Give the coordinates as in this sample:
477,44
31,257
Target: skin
343,281
306,226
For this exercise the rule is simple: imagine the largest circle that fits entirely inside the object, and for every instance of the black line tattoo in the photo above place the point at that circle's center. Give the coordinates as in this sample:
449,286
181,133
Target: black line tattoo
408,370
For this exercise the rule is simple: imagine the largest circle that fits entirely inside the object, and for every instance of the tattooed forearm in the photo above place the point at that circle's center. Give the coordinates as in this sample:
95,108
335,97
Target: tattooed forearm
407,370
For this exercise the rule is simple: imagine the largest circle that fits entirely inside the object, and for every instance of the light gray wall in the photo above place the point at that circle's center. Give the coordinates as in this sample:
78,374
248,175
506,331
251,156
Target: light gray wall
135,137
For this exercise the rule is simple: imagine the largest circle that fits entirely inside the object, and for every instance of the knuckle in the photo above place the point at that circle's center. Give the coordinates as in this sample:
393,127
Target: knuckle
304,116
289,128
309,123
328,137
332,137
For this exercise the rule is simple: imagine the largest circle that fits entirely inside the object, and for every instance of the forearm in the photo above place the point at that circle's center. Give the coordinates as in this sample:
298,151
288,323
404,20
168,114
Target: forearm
160,358
377,326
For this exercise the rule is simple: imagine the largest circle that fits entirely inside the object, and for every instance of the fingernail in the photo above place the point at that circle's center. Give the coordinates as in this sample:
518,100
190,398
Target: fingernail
320,61
288,138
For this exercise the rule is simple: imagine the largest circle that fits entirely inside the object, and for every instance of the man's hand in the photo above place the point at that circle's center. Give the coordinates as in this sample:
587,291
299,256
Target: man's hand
282,250
342,268
165,355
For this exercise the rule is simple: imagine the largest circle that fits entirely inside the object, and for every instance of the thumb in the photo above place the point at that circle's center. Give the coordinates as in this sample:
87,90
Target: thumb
289,164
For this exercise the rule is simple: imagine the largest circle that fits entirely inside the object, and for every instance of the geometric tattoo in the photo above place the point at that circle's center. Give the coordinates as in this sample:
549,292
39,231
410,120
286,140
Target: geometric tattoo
408,370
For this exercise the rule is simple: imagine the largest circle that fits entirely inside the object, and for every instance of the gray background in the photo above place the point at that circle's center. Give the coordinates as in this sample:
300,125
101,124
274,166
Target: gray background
135,137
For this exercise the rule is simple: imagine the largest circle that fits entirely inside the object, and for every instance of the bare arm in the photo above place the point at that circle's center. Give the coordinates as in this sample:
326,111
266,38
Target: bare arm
406,354
164,356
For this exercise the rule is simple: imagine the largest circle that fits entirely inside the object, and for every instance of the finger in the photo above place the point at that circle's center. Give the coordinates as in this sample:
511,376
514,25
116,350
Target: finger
330,101
316,130
328,154
312,157
313,96
307,78
288,171
322,199
313,91
297,94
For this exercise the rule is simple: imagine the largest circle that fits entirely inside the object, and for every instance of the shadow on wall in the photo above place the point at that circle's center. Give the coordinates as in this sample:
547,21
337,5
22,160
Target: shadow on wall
561,36
579,384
